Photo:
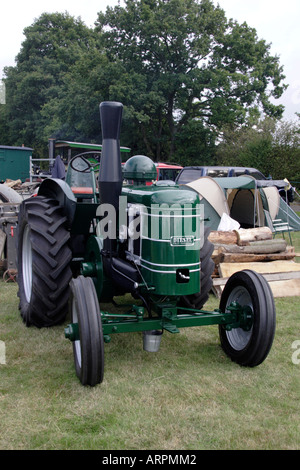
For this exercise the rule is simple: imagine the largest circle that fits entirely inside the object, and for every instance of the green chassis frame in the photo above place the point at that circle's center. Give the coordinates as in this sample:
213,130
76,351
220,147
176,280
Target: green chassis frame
169,319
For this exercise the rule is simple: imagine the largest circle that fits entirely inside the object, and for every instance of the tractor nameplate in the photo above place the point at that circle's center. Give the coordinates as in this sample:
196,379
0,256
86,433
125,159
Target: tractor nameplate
182,241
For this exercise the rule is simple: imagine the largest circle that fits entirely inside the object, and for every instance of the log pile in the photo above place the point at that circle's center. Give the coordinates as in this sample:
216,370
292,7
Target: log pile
15,184
257,250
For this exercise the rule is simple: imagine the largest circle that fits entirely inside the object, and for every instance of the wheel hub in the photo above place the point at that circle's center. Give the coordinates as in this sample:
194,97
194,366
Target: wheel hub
244,316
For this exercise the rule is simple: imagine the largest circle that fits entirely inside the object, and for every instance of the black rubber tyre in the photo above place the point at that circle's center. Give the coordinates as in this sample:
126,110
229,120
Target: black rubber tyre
249,348
88,351
43,262
207,267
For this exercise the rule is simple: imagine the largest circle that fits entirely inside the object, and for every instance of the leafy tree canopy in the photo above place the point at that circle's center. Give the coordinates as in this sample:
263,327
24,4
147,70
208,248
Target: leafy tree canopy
196,65
271,145
51,47
180,67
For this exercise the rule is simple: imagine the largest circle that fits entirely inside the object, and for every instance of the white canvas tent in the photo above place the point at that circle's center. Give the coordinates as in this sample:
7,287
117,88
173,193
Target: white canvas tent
244,199
213,198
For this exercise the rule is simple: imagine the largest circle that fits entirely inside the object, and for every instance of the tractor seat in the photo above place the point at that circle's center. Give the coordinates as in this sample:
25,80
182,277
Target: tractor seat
83,193
82,190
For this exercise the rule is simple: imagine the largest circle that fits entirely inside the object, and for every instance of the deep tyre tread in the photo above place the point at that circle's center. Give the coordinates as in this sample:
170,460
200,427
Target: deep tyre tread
89,349
47,303
258,341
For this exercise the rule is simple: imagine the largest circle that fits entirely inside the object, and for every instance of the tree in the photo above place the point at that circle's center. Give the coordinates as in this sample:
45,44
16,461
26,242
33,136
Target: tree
181,69
272,146
286,151
51,47
190,64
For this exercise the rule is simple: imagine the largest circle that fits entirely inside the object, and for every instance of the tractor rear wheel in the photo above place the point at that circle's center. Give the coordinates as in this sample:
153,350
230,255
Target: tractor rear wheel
88,350
249,346
207,267
43,262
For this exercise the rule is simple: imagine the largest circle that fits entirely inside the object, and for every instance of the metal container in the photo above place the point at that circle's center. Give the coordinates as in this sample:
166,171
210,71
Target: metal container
152,340
14,162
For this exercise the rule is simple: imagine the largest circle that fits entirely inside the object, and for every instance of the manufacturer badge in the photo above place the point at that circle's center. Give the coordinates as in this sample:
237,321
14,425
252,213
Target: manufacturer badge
182,241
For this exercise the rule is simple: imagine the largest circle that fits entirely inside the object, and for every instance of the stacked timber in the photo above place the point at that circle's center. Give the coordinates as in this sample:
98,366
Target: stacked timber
257,250
13,183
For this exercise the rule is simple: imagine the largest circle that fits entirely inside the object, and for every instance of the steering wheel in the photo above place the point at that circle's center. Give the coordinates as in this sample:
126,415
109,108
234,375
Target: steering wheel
81,164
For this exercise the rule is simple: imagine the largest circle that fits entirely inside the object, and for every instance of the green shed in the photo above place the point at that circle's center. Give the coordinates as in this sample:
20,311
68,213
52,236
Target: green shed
14,162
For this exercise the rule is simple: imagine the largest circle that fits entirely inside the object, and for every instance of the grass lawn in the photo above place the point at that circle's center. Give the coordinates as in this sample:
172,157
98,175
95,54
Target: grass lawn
188,396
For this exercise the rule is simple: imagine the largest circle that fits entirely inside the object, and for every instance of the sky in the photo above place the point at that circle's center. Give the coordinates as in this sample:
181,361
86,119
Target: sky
275,21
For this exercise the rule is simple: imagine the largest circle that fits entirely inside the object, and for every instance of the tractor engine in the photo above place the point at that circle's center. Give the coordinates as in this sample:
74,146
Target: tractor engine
151,232
164,235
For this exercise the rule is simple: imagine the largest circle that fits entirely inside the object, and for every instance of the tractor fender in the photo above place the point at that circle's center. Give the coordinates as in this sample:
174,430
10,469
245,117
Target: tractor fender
60,191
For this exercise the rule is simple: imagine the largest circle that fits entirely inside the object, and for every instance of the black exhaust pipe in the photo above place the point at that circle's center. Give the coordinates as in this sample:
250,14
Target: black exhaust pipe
110,175
124,275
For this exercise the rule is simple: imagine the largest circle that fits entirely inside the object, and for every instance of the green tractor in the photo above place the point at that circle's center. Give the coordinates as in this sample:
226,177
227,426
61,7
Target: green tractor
83,243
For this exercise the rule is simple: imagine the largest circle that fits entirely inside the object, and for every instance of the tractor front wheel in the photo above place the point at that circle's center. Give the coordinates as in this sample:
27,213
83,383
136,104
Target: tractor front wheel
88,350
248,345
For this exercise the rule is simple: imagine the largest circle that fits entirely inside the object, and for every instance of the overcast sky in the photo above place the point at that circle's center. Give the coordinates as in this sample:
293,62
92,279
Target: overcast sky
275,21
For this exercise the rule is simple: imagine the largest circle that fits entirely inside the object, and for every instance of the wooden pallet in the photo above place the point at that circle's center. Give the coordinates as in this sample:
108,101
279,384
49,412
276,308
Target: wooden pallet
283,276
255,249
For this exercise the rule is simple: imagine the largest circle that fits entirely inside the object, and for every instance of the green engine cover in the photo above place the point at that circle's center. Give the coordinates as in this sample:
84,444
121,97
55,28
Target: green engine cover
170,235
140,169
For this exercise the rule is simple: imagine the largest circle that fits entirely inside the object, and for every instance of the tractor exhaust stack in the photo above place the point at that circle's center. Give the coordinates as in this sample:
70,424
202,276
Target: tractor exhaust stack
110,175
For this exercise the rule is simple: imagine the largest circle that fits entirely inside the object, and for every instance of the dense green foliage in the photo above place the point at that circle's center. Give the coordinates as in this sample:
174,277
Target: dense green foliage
272,146
184,72
52,46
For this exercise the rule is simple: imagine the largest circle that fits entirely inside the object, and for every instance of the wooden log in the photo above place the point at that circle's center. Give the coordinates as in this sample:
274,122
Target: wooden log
217,237
265,246
252,258
217,258
12,183
274,245
252,234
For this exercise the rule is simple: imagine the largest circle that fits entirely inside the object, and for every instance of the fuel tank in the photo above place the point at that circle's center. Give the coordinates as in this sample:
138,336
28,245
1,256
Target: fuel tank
165,233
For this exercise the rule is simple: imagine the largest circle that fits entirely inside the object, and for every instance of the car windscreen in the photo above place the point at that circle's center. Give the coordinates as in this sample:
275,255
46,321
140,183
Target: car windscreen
168,173
188,175
249,171
217,172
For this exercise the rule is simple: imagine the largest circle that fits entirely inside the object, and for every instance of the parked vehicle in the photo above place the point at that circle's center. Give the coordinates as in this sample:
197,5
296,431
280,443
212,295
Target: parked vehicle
191,173
164,172
167,171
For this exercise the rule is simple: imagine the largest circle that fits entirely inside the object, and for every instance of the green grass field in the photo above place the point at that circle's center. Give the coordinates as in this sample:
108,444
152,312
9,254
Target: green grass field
188,396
